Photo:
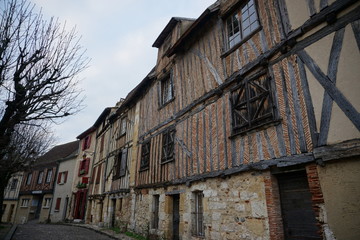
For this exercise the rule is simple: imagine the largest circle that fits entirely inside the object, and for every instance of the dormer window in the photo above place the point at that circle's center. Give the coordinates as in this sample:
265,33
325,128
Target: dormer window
241,23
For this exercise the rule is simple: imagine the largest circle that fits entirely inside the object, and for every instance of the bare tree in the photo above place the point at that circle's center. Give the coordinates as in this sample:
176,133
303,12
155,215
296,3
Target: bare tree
39,63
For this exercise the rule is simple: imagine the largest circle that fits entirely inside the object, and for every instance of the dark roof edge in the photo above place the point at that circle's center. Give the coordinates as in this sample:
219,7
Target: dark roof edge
137,91
168,28
194,27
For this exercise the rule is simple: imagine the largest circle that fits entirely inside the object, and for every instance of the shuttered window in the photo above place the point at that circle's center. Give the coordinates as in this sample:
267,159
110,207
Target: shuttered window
84,166
57,205
145,156
168,146
251,104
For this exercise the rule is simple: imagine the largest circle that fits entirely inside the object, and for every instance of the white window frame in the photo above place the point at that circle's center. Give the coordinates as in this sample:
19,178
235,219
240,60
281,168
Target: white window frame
49,175
25,202
241,23
47,202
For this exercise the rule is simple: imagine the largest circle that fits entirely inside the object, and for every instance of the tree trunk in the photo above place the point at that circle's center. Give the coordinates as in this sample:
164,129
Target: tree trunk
4,178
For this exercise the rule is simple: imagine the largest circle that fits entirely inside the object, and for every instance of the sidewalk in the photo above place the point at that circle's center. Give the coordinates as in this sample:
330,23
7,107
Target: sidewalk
102,230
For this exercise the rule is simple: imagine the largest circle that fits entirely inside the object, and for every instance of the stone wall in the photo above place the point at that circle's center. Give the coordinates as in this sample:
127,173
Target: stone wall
233,208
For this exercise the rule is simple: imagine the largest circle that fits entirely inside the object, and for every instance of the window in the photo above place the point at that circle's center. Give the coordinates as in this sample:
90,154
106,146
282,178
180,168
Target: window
57,205
120,164
167,89
84,166
251,104
28,180
122,126
40,177
62,177
86,142
145,155
98,176
49,175
241,23
155,212
47,202
168,146
14,184
25,202
198,218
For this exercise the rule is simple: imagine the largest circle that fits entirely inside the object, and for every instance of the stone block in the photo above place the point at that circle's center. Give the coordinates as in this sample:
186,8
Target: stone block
217,205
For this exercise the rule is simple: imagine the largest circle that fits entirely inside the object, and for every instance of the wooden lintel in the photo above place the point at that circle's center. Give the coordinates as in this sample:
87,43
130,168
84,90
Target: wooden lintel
258,166
338,151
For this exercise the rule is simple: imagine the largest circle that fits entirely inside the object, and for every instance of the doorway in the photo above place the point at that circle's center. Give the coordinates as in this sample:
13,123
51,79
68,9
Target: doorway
176,216
37,201
296,207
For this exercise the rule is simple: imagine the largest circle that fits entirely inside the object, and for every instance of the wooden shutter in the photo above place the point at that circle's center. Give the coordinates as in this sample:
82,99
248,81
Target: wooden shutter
123,162
116,166
65,178
81,167
87,164
59,178
57,206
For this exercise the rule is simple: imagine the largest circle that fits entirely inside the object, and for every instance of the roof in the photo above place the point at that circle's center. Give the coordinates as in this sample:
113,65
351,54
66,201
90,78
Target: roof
97,123
168,28
59,152
198,24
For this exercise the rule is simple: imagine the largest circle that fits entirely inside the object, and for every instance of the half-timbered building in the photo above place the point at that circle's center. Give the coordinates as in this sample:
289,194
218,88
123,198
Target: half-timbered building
11,197
249,124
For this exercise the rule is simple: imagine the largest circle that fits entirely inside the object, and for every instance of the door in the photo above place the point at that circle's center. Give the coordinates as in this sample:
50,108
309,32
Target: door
176,216
296,206
65,208
80,204
11,212
39,205
112,212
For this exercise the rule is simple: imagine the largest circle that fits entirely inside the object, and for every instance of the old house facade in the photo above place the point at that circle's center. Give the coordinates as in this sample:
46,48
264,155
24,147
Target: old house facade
37,188
82,173
99,181
246,128
240,120
60,208
11,197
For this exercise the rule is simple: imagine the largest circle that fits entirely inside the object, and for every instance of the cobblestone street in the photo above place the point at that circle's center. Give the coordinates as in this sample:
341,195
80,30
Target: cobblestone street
34,231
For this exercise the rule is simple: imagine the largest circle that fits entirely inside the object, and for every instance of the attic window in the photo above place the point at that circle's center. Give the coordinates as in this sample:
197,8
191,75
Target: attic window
241,23
167,89
166,44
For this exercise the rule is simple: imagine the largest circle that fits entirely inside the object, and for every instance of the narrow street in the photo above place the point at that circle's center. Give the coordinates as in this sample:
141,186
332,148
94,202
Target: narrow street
35,231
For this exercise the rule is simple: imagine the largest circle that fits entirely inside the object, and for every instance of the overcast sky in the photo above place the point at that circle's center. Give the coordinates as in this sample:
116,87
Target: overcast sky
118,35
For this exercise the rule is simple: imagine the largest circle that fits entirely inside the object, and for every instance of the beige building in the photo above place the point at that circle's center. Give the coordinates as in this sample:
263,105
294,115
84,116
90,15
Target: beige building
37,188
60,207
11,197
